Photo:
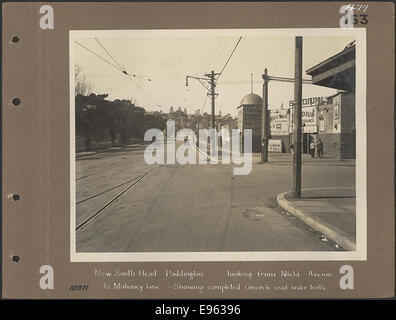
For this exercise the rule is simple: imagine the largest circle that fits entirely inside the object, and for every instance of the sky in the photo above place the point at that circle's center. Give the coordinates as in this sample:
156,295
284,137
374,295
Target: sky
168,60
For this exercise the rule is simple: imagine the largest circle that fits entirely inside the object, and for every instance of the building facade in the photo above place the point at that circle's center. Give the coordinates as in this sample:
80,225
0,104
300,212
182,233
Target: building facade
337,119
331,119
249,117
336,126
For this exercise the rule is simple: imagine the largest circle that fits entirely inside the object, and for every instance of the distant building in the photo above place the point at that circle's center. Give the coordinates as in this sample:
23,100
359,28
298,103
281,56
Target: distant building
249,117
331,119
228,124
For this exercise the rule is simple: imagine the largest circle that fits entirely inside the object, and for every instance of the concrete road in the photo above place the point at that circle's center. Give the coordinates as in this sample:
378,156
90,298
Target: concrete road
193,207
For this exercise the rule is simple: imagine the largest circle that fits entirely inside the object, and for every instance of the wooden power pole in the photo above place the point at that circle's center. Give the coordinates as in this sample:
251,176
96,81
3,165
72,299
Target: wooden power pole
265,120
211,80
297,125
213,94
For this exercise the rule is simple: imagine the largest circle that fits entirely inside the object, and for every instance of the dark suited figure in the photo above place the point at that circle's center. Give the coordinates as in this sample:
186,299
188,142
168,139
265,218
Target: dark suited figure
319,148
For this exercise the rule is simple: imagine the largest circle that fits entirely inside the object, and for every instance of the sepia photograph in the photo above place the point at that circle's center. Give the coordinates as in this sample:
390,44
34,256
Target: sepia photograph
179,152
218,145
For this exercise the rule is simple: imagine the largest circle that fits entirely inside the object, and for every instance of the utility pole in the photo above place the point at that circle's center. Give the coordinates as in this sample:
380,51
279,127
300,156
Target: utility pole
265,119
297,126
210,80
213,94
197,127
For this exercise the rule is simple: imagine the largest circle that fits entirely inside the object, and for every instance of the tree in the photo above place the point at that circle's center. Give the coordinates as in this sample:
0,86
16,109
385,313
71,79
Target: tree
99,120
82,85
90,117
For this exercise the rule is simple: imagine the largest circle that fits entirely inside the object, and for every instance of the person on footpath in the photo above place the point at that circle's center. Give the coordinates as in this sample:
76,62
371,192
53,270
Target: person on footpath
312,149
319,148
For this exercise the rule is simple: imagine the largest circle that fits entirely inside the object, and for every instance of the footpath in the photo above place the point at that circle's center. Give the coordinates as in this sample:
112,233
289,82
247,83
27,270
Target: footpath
331,211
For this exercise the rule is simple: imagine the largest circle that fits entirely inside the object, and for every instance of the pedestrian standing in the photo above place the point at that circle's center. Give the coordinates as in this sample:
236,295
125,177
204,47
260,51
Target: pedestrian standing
312,149
320,148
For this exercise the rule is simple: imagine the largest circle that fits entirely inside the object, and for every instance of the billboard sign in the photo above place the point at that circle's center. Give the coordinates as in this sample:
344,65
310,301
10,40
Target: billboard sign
275,145
309,119
309,101
279,122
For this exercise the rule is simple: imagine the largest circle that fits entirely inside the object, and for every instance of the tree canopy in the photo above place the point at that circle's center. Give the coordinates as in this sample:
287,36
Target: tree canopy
118,121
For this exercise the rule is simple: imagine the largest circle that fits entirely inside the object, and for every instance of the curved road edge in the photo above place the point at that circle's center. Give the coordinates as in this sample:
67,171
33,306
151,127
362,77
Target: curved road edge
332,232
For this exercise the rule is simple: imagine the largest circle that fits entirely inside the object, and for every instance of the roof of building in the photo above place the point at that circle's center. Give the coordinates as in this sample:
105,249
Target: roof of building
251,99
336,72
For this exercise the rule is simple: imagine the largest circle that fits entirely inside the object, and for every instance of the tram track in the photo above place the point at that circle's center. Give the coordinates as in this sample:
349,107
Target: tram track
108,190
134,181
92,174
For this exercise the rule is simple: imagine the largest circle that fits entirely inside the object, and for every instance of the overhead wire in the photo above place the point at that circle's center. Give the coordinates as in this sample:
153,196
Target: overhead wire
114,66
108,53
225,45
136,84
229,58
215,54
119,68
129,75
203,106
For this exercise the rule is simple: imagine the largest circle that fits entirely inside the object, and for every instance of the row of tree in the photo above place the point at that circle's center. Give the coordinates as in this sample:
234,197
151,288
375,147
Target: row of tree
99,120
119,121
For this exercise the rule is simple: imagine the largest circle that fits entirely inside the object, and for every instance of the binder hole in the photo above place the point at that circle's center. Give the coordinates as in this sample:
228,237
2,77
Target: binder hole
16,197
16,101
15,39
15,258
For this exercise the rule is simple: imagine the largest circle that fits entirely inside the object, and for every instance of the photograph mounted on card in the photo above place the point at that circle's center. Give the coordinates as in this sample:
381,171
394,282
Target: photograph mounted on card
163,134
195,150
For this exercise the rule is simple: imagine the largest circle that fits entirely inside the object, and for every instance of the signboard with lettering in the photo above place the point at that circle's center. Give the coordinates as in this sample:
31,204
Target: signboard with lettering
279,122
309,119
275,145
309,101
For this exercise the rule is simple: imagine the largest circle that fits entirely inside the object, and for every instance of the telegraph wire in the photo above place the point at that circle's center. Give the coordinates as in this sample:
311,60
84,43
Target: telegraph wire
136,84
204,104
114,66
280,79
108,53
229,58
122,69
215,54
225,45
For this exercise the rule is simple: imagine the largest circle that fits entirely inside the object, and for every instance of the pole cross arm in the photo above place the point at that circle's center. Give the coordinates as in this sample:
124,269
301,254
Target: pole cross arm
201,80
285,79
196,78
211,90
